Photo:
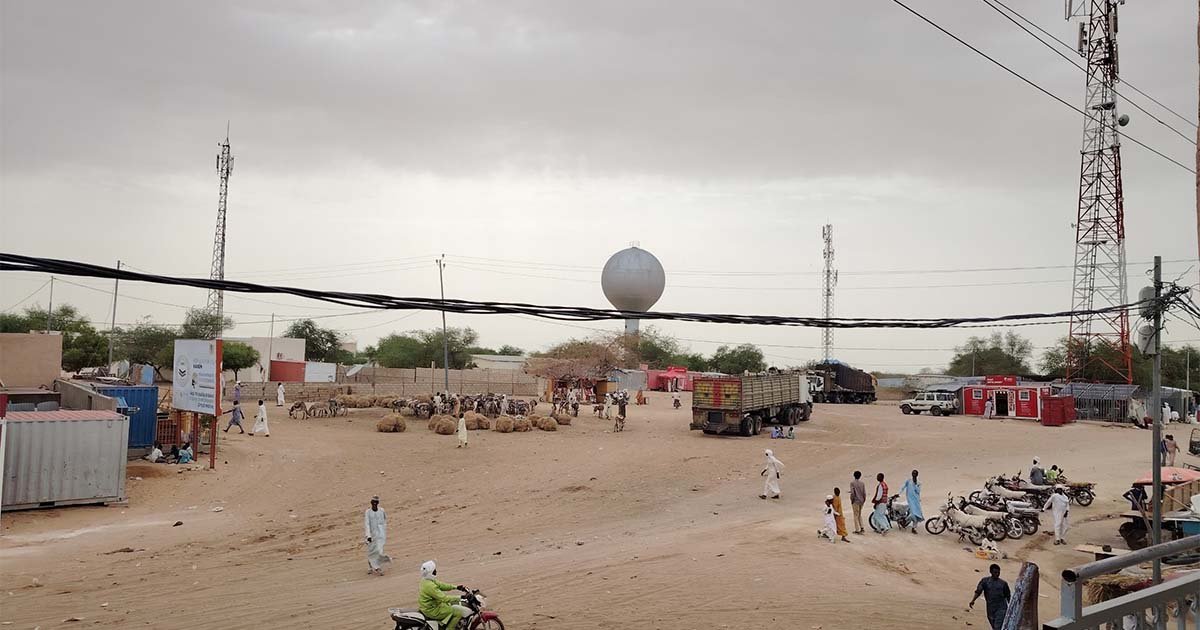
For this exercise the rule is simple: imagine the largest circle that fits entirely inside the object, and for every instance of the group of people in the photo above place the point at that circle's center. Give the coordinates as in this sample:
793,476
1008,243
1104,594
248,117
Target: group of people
1058,502
236,415
178,455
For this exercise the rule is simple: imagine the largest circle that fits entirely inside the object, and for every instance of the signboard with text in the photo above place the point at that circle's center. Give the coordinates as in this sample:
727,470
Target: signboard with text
196,376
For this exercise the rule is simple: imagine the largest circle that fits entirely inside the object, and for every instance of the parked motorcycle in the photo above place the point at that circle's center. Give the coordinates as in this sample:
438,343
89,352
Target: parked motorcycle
479,619
1012,525
1023,511
897,512
1081,492
973,528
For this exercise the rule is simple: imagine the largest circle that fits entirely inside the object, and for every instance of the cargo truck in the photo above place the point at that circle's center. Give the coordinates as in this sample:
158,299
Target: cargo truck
742,404
836,382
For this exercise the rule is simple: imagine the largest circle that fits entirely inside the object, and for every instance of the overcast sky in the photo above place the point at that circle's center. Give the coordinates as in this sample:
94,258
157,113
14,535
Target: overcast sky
528,141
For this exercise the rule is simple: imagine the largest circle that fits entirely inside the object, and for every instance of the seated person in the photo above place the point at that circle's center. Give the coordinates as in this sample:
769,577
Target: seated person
791,434
185,454
156,455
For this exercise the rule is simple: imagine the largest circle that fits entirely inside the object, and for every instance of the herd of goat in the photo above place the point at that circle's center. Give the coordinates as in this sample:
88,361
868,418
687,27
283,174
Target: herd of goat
490,405
1006,507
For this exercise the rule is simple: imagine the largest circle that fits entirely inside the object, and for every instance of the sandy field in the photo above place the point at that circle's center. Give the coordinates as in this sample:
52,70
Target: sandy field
656,527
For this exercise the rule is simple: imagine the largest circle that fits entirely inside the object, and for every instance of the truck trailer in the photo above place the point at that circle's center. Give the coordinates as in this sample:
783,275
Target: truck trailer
836,382
741,404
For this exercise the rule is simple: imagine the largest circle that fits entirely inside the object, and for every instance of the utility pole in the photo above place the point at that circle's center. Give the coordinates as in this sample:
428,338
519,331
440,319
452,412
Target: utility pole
1156,400
216,297
831,277
441,263
50,308
1099,278
1198,137
270,347
112,327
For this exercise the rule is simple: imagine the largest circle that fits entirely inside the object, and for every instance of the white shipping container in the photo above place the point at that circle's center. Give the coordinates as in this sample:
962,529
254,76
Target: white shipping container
67,457
315,372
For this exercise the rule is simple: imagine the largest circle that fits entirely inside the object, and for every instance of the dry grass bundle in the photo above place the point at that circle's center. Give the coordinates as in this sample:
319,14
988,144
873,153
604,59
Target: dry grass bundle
562,419
446,426
433,422
476,421
407,411
547,424
1105,587
503,425
425,398
383,401
392,423
520,425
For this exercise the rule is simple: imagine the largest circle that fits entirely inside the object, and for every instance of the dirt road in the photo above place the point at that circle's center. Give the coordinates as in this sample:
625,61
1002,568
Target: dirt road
656,527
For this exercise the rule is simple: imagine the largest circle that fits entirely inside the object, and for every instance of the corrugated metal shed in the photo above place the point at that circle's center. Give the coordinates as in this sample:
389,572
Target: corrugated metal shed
67,457
144,420
1100,391
632,380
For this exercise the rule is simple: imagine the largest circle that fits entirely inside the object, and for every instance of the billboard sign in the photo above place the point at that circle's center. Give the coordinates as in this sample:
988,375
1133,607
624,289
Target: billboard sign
196,376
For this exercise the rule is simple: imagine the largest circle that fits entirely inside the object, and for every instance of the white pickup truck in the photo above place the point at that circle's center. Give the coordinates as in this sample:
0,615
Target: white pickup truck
936,403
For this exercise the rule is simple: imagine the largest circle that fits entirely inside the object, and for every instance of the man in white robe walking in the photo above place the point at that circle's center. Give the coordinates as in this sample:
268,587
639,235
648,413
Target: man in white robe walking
772,474
1059,505
375,525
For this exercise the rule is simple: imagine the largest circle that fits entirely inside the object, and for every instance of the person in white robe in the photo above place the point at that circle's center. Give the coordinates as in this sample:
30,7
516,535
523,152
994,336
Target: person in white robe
829,528
375,526
462,432
1060,506
772,473
260,421
279,395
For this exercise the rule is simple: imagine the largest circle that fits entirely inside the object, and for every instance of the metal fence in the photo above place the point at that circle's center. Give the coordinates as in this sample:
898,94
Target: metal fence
1151,607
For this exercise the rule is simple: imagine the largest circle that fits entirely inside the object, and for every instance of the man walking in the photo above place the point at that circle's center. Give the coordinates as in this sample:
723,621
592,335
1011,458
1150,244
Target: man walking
987,409
996,594
1171,447
260,421
279,395
235,417
772,474
912,493
375,524
858,496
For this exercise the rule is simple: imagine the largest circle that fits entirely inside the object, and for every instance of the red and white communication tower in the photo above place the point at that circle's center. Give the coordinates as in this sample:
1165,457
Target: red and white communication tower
1098,345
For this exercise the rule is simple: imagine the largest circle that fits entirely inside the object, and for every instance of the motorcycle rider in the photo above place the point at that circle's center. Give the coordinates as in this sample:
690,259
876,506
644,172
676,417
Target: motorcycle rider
437,605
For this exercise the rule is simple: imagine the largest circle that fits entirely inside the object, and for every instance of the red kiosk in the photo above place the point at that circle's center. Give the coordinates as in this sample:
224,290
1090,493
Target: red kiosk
1010,397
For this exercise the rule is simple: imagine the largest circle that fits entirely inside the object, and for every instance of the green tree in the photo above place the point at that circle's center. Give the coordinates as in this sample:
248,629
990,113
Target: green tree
743,358
82,345
398,351
1006,353
237,356
203,324
691,360
320,344
149,344
511,351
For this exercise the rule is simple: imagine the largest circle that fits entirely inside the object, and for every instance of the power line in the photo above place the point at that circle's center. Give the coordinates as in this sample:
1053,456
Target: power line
1072,49
1035,85
16,262
1080,66
26,298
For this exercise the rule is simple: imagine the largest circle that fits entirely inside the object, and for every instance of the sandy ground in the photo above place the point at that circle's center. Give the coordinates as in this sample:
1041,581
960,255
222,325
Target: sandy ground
656,527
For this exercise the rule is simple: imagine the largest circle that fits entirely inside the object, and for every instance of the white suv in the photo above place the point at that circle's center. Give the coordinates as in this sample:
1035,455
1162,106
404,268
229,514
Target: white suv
936,403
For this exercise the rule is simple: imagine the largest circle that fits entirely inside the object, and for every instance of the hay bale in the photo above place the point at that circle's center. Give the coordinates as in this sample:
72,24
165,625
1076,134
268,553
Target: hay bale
520,425
561,419
392,423
407,411
484,424
503,425
446,426
1105,587
547,424
433,422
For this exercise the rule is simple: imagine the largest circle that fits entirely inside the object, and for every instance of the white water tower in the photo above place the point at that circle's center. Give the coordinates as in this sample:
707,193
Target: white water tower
633,280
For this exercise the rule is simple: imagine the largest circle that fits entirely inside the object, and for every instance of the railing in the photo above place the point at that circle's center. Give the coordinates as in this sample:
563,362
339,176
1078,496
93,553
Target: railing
1144,609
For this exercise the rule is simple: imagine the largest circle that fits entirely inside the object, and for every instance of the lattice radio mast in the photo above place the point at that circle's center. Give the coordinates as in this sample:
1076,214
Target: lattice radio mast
1098,345
216,298
831,278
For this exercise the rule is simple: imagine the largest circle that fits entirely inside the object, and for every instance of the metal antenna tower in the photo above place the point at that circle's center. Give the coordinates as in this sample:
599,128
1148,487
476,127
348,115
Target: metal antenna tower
1098,345
831,278
216,298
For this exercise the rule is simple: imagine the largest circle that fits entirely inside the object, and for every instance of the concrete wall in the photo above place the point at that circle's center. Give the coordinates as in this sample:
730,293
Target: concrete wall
30,360
279,348
76,396
498,362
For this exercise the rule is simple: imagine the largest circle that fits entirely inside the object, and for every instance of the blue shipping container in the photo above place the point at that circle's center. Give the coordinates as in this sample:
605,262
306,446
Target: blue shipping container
144,422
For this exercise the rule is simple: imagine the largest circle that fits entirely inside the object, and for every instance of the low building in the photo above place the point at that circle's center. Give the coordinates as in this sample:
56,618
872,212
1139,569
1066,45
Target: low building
498,361
30,360
269,349
1010,397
